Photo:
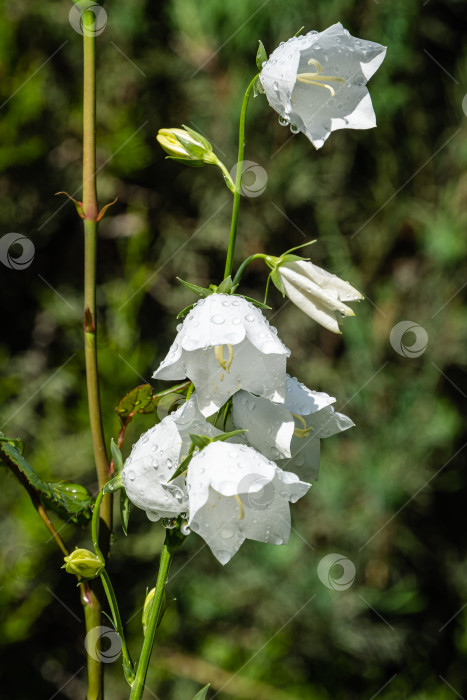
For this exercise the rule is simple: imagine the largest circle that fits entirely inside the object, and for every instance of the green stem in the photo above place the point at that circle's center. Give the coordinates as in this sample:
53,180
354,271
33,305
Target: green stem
95,526
238,180
244,265
91,603
111,597
143,663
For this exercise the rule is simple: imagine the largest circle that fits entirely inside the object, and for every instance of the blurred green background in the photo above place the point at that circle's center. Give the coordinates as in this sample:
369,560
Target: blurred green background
389,210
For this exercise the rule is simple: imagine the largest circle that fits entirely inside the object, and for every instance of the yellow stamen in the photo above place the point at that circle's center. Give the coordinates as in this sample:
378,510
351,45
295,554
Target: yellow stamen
219,353
318,79
301,432
240,507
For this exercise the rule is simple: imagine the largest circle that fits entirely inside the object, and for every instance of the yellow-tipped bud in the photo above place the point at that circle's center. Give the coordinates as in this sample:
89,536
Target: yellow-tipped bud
186,145
83,563
148,608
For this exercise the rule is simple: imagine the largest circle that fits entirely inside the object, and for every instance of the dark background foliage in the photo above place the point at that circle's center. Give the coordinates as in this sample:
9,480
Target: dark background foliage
388,210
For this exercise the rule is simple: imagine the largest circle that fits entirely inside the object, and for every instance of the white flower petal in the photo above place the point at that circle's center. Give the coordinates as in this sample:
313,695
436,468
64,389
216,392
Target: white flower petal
270,425
149,467
254,358
223,474
302,400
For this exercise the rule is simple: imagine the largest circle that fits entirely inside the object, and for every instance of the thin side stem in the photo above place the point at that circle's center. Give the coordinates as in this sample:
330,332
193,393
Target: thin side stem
111,597
244,265
137,688
238,180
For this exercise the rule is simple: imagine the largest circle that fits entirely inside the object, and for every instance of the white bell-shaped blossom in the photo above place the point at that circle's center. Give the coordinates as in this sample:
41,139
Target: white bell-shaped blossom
316,82
317,293
155,457
226,344
235,493
290,432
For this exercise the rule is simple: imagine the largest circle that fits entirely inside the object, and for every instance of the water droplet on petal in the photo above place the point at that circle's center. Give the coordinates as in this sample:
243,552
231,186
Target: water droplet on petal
217,319
250,318
294,129
283,121
226,533
131,476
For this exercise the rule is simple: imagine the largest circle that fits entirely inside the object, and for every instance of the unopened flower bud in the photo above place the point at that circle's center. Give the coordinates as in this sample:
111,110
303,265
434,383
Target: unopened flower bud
83,563
148,603
187,145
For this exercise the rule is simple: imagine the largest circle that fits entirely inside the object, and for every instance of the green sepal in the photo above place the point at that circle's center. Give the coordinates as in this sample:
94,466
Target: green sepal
259,304
70,501
225,286
191,148
182,467
291,258
198,136
187,161
261,55
276,279
300,30
138,400
184,312
200,441
201,694
124,511
226,436
116,456
201,291
113,485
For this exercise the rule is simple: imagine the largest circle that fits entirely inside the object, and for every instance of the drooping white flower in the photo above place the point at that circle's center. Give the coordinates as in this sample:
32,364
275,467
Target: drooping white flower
235,493
154,459
317,82
226,344
290,432
318,293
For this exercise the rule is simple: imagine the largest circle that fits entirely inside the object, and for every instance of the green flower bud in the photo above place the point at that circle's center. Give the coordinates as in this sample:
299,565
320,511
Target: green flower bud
75,496
83,563
187,145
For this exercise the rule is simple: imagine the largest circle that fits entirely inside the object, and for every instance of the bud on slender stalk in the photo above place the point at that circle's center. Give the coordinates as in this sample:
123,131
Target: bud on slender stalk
83,563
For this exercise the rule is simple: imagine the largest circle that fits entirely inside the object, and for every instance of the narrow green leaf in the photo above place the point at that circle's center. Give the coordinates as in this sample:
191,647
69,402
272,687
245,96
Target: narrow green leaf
291,258
116,456
200,441
261,55
201,291
226,436
297,247
124,511
182,467
300,30
202,694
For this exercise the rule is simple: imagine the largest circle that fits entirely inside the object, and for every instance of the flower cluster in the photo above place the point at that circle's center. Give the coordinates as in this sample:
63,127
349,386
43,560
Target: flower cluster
241,487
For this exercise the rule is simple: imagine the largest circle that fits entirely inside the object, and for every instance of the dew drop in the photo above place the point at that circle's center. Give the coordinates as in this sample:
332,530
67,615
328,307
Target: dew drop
217,319
283,121
131,476
235,302
294,129
250,318
226,533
